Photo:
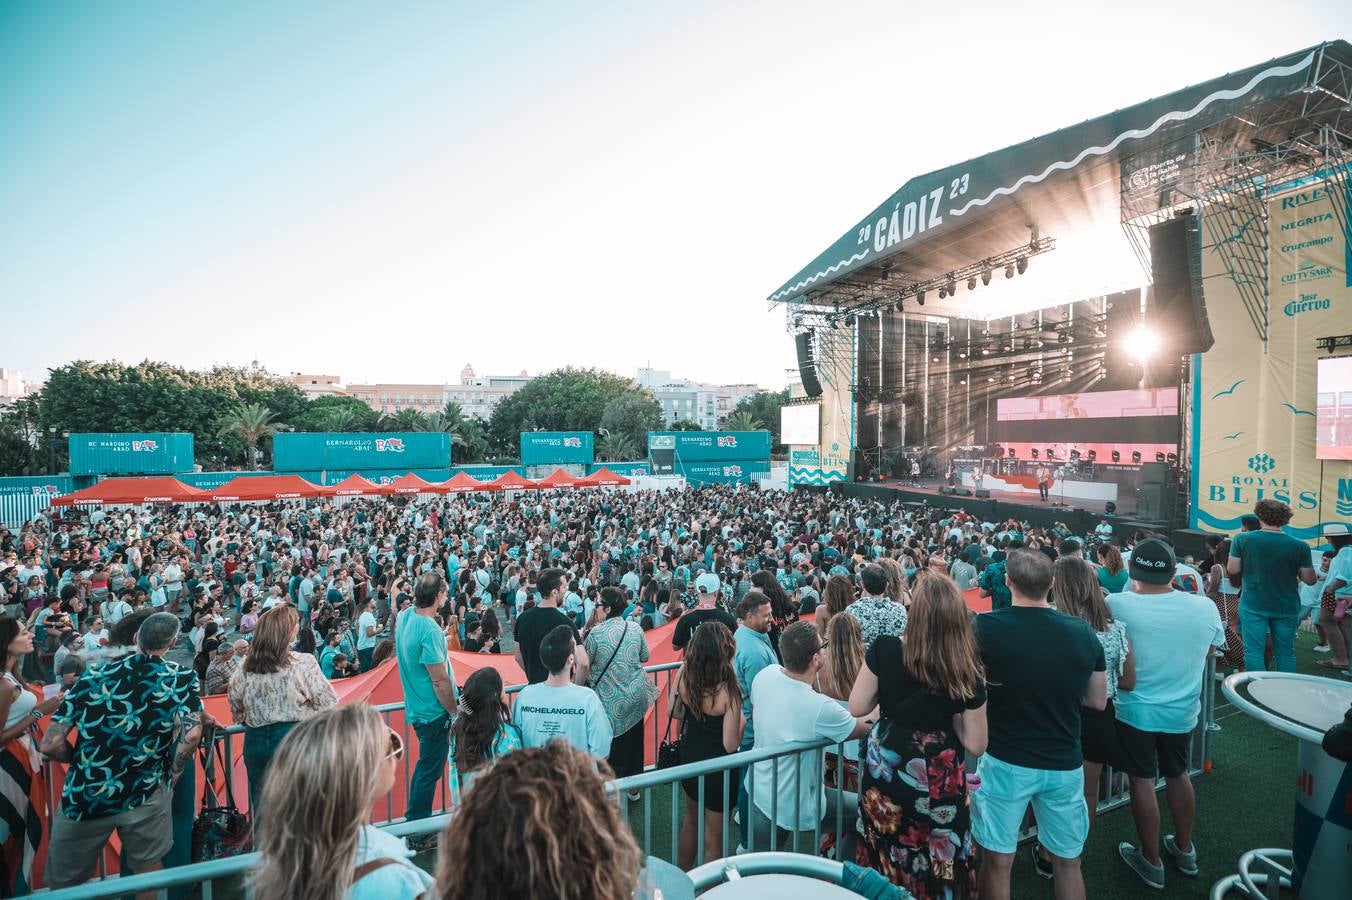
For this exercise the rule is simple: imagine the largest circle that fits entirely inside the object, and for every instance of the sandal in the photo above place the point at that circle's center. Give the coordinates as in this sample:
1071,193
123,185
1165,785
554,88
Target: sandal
1330,664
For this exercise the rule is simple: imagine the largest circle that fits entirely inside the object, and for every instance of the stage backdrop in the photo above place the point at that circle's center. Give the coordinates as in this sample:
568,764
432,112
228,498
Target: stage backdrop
1255,406
828,460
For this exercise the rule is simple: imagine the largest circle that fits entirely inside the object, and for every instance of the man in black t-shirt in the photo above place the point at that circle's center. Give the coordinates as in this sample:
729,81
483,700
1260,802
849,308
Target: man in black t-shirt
1041,667
538,621
708,609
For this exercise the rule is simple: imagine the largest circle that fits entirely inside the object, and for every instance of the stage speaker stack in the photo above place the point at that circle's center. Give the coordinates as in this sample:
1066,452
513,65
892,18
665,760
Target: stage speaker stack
983,494
1176,310
807,366
963,492
1155,473
945,489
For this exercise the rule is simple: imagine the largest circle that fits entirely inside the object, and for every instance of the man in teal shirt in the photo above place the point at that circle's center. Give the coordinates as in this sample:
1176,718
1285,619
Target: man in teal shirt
754,652
1272,565
430,693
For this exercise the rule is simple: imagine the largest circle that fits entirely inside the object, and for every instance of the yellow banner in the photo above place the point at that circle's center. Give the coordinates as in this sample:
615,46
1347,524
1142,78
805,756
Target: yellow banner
828,460
1254,402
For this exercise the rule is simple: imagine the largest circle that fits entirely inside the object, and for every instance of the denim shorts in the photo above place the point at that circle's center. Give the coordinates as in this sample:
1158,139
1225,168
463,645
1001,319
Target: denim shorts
1057,796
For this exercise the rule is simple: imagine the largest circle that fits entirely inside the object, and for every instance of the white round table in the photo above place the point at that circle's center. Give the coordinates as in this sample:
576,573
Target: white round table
780,887
1304,706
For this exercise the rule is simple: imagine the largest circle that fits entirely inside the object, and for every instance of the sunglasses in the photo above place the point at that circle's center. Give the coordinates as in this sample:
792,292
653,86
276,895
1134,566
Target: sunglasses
396,747
822,646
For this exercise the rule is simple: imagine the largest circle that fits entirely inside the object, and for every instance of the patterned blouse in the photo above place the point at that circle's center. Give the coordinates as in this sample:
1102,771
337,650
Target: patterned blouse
292,694
878,616
625,690
508,739
1114,641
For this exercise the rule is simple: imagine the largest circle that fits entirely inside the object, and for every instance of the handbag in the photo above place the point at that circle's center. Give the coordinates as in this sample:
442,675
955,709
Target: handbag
220,830
618,645
669,751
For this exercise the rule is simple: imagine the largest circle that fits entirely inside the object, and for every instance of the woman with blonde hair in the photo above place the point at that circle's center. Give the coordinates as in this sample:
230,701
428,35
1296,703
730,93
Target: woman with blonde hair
914,821
318,843
838,595
897,587
274,689
539,824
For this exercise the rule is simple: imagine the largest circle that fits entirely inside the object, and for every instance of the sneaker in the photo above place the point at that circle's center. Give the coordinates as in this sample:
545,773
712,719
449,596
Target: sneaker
1322,648
1153,876
1041,864
1187,862
423,842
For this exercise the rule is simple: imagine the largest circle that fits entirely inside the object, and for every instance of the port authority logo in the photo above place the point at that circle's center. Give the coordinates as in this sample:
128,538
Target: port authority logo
1344,502
145,446
727,440
572,442
1262,463
389,445
1308,271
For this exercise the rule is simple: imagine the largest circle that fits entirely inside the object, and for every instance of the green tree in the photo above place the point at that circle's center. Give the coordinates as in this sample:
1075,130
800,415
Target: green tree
632,414
563,400
404,420
617,447
468,435
761,407
19,438
335,413
743,420
685,425
250,422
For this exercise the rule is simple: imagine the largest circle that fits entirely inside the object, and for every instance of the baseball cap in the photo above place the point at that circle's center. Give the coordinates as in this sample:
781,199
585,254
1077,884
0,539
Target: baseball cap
708,583
1153,562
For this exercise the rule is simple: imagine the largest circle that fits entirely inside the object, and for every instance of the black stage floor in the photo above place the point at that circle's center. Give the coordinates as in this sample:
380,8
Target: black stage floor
1080,517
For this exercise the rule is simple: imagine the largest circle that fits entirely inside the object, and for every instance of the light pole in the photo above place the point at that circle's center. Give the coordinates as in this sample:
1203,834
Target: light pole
51,449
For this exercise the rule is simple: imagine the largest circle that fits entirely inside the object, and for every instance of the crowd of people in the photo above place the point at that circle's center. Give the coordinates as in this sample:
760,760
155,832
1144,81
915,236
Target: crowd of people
799,616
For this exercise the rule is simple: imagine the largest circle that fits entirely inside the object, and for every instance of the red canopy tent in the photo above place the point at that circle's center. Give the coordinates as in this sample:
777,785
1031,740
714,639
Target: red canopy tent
412,484
353,486
265,487
133,490
510,481
463,483
559,479
603,477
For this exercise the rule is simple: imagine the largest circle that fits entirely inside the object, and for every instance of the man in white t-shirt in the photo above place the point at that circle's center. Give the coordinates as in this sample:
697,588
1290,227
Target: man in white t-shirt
557,708
368,631
787,708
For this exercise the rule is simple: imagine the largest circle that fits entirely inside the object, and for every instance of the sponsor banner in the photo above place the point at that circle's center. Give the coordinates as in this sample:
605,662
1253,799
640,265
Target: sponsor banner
742,472
360,451
808,466
1255,403
549,448
712,446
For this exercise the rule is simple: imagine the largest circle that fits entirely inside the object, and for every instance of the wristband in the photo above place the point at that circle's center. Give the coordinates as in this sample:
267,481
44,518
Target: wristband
36,713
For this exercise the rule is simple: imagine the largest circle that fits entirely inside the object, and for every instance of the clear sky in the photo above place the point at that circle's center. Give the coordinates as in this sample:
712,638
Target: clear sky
388,190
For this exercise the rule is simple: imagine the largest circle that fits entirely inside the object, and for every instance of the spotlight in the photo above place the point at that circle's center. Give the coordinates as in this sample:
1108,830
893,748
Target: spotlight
1051,453
952,286
1062,337
1021,264
1075,454
990,378
1009,271
1011,453
1007,347
899,302
986,275
1117,456
962,381
1141,344
1034,452
1171,459
971,283
943,292
962,354
920,298
833,323
985,351
936,359
1093,455
1159,456
1110,508
1136,457
849,321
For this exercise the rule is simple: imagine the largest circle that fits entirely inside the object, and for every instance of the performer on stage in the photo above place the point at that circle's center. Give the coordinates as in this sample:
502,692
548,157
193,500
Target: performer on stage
977,476
915,471
1044,482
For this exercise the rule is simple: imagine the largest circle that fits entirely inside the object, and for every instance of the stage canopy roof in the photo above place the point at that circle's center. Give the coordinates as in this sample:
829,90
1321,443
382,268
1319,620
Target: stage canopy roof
133,490
1075,204
264,487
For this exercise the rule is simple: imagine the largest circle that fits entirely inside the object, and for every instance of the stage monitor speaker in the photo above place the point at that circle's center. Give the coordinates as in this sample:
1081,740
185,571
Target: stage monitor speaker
1177,310
945,489
963,492
983,494
1155,473
1153,502
807,366
1190,540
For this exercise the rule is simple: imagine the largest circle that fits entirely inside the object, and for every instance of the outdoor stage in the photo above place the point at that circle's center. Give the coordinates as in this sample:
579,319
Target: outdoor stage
1078,517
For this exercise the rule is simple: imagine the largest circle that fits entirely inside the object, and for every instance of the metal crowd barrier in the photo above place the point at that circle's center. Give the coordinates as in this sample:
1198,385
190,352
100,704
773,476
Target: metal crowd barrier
654,786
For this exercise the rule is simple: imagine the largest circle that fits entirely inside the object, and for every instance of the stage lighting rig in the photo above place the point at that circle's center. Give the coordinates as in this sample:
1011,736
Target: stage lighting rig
1009,271
920,297
1021,264
986,275
971,283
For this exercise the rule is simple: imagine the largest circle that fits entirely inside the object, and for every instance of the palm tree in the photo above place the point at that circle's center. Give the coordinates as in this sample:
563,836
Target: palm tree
439,421
616,446
252,422
340,419
742,420
404,420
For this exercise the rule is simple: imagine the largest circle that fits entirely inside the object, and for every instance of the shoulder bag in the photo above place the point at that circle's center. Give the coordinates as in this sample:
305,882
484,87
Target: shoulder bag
669,751
220,830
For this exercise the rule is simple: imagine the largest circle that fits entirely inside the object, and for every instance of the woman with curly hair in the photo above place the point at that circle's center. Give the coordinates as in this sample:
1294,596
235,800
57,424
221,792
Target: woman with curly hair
929,688
317,841
481,734
710,710
540,824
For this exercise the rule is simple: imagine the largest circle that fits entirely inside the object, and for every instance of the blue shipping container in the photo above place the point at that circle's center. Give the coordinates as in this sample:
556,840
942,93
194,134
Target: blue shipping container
745,472
295,451
23,497
639,467
548,448
712,446
131,453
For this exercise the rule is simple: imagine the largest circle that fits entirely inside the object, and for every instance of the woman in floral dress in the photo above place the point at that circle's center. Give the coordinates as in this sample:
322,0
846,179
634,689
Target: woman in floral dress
913,810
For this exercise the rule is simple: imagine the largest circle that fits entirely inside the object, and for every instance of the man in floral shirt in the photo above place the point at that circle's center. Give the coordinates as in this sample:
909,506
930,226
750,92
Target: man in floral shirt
877,613
139,722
